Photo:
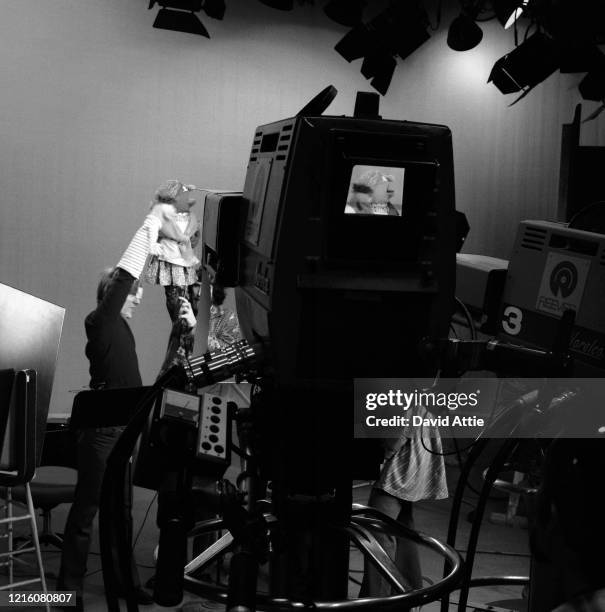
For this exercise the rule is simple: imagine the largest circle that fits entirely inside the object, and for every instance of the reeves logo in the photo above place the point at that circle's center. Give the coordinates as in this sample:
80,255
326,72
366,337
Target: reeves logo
563,279
562,285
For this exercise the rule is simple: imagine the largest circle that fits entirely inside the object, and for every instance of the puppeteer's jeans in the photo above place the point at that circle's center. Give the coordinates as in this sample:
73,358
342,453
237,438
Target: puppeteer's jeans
93,448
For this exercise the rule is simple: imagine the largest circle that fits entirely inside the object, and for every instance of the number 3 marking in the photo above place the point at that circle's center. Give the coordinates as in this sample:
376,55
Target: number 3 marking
511,323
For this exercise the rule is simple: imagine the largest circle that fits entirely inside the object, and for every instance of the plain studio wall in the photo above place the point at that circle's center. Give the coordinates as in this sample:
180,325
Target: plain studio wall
98,108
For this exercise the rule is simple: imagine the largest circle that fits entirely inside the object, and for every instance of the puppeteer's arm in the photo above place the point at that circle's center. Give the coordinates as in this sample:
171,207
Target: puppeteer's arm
181,336
129,268
135,256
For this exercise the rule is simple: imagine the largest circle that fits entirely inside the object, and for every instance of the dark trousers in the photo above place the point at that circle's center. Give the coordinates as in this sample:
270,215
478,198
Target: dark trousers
93,448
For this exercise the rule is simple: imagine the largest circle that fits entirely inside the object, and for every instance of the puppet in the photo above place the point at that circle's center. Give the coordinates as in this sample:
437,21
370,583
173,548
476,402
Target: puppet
173,232
173,264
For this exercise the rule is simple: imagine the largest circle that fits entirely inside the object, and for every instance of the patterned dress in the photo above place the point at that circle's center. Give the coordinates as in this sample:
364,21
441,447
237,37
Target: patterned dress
411,472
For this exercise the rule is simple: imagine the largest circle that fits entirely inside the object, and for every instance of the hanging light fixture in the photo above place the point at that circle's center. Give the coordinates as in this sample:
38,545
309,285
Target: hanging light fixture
527,65
592,86
402,28
215,8
397,31
508,11
464,33
354,44
379,67
345,12
179,16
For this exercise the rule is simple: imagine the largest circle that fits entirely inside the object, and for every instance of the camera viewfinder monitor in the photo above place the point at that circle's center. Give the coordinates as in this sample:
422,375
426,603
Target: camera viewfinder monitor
375,190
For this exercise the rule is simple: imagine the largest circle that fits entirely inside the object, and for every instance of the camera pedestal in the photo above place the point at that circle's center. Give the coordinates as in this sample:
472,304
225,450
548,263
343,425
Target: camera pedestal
359,530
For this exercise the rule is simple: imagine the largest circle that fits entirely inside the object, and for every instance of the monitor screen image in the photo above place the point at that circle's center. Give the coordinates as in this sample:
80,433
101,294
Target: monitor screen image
375,190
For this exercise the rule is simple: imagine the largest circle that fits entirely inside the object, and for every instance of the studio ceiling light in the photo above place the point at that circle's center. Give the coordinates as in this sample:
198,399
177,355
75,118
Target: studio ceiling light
397,31
215,8
402,28
179,16
579,56
592,86
464,33
508,11
345,12
380,68
354,44
282,5
529,64
181,5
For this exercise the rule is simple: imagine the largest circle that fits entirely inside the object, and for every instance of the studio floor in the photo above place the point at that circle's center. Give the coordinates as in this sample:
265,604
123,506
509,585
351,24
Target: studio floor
503,550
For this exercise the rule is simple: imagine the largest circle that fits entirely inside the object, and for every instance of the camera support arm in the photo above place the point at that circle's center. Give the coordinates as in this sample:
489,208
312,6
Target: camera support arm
457,356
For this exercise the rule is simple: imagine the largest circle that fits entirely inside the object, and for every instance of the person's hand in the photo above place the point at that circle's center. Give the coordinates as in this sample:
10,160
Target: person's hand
186,313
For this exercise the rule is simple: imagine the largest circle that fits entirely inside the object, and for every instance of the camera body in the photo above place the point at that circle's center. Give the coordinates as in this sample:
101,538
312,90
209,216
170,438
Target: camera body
342,252
320,283
332,291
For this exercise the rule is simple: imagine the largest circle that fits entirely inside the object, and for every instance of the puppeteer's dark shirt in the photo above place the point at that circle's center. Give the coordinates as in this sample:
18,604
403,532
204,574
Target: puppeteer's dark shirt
110,347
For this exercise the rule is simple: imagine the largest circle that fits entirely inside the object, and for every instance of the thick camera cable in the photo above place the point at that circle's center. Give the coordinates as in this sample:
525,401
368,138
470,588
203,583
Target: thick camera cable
110,529
174,525
243,574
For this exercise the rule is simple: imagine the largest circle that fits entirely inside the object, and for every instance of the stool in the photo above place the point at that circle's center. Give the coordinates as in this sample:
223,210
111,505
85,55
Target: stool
46,496
21,450
12,554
